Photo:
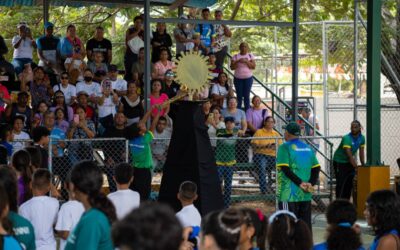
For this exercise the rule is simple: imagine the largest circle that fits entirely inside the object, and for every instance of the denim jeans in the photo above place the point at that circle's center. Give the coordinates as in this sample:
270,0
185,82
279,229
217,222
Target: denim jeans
265,164
225,174
19,64
243,87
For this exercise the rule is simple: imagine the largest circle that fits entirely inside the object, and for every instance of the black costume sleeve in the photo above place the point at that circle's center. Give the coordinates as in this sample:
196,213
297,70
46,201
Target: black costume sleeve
314,175
289,174
3,47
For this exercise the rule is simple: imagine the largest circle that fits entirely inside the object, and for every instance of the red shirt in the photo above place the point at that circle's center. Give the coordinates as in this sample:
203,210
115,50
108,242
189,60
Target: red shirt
3,95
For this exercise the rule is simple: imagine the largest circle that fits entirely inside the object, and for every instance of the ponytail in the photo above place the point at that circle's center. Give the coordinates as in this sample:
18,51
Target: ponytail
343,236
102,203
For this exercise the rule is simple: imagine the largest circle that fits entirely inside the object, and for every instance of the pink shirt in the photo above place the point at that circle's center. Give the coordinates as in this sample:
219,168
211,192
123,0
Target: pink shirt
160,68
154,101
243,71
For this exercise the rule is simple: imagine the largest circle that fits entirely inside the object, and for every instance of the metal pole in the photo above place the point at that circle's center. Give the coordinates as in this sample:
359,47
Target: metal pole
355,114
147,67
295,54
275,76
374,82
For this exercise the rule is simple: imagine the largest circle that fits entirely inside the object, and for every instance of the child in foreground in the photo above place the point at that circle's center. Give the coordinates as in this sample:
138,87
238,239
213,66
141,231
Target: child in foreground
189,216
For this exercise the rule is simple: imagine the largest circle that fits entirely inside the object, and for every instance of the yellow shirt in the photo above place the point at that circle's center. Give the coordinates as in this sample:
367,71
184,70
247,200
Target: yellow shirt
262,142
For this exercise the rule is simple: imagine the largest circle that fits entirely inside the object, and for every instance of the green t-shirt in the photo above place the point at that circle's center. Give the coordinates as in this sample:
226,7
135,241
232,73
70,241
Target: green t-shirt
141,151
23,230
300,159
348,141
225,151
93,232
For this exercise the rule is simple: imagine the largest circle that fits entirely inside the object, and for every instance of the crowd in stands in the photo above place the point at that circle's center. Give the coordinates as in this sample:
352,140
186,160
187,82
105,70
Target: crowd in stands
74,92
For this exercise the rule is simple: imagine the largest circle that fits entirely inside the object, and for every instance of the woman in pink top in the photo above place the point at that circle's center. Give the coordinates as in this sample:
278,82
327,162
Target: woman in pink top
163,65
157,98
243,64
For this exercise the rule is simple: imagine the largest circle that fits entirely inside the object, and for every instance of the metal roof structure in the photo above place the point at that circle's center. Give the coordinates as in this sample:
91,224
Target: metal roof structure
106,3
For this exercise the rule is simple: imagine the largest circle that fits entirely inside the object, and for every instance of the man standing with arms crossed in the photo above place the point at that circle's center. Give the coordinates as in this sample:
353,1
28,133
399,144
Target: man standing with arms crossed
298,170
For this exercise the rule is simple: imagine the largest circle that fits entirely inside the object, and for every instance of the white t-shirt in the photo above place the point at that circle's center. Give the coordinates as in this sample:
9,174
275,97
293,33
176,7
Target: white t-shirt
189,216
42,211
107,108
17,145
124,201
119,84
160,143
220,90
91,89
69,91
212,132
313,120
68,216
76,63
25,48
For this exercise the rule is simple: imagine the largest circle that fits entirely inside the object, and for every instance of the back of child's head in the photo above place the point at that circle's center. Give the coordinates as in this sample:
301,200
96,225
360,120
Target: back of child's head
132,131
8,178
123,173
39,132
36,156
286,232
41,180
188,191
152,226
224,226
87,178
257,220
21,160
341,216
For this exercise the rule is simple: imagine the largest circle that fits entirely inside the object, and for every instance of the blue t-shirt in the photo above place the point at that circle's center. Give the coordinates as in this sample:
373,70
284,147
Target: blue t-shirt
206,32
324,246
10,243
8,146
239,115
375,243
57,135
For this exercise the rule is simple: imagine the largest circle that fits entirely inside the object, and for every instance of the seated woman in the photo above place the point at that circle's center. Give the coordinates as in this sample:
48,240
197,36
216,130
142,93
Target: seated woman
221,91
131,105
38,118
162,65
255,115
59,102
157,98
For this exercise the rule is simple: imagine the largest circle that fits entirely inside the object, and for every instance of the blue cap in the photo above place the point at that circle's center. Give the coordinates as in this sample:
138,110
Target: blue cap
48,25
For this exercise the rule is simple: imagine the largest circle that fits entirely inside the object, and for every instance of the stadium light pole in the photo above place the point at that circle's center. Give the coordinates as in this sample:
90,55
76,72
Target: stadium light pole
295,58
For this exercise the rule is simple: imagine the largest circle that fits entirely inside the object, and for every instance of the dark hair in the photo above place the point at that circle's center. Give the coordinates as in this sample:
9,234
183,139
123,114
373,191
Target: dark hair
123,173
224,227
8,178
88,70
65,106
205,10
79,106
18,117
3,131
132,131
137,18
162,118
88,179
356,122
341,215
384,207
39,132
99,28
64,73
162,49
21,161
70,26
288,233
257,220
41,179
4,221
37,105
152,226
36,156
153,81
187,190
269,117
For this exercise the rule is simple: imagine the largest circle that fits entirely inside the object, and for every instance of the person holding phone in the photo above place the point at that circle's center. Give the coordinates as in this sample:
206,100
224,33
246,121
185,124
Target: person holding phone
23,44
265,153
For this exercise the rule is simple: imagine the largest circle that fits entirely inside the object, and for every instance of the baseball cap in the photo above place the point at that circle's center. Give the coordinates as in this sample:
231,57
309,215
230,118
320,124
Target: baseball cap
293,128
229,119
113,68
48,25
82,93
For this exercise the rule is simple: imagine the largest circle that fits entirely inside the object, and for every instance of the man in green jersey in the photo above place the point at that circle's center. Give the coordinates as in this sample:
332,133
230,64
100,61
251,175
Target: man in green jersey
298,171
344,162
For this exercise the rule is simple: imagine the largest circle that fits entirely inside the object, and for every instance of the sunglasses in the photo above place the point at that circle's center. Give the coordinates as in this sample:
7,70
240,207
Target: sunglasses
64,77
60,96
